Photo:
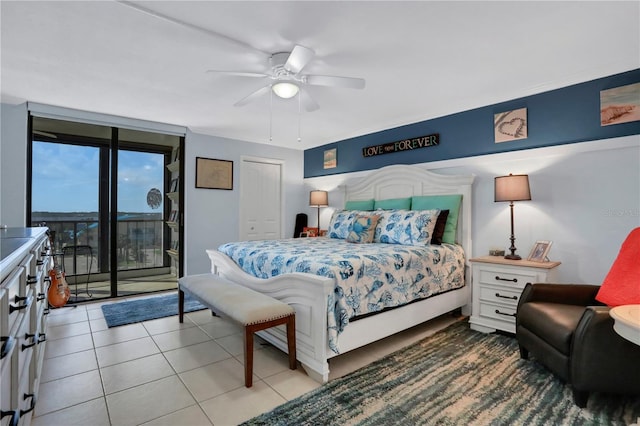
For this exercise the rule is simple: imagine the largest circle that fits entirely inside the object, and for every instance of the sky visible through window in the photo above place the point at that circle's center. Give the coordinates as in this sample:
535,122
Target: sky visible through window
65,178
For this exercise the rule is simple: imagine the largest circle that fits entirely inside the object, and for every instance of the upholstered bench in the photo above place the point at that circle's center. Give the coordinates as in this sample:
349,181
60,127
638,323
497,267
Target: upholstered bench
255,311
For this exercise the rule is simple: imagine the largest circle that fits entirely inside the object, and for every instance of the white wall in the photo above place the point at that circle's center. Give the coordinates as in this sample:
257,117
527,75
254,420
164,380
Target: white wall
13,164
212,216
585,198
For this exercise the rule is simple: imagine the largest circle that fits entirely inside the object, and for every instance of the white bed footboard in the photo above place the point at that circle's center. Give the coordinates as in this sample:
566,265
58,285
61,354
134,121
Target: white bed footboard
308,294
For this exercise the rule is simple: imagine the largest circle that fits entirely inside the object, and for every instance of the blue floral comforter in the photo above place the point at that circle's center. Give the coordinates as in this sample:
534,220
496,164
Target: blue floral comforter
369,277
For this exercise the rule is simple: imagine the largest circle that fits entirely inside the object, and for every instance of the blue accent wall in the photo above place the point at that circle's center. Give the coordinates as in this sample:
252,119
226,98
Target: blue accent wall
562,116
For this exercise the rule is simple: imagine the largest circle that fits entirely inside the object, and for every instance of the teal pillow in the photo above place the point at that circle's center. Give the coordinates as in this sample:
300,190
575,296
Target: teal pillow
365,205
442,202
393,204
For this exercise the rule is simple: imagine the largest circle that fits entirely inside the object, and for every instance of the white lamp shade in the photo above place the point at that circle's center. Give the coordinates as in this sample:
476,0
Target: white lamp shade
318,199
285,89
512,188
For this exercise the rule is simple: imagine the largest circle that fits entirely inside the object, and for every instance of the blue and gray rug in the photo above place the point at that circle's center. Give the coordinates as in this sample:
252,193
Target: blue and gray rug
455,377
147,308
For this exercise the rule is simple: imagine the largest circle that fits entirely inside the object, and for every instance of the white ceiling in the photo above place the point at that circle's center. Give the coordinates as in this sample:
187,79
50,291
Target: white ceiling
420,59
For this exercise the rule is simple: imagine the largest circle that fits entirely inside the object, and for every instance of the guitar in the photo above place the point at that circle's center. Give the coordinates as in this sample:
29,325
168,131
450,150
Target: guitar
59,292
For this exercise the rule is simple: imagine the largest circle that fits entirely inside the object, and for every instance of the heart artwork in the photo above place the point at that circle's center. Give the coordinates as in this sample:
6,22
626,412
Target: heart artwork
512,127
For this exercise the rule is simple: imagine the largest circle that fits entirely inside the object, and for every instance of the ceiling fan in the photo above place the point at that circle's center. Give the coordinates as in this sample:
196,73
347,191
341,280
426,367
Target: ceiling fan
287,78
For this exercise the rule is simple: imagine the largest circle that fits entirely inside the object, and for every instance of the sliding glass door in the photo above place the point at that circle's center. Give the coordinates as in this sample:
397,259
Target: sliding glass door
102,192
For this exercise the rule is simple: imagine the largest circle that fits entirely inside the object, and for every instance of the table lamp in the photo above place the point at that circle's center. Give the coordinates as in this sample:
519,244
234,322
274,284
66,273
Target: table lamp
318,199
512,188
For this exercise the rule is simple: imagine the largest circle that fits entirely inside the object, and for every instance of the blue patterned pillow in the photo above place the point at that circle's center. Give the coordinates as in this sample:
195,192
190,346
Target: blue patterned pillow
362,228
408,227
340,222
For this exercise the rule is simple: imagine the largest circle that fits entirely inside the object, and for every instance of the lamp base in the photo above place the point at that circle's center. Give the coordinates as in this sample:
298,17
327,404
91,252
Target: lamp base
513,257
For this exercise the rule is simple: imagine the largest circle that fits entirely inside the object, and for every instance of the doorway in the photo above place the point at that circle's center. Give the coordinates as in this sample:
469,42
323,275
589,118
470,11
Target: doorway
260,199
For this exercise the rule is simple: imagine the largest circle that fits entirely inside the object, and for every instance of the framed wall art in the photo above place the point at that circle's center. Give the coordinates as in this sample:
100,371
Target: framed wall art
214,174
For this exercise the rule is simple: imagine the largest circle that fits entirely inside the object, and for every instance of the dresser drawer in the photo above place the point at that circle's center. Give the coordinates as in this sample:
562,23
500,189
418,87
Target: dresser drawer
506,277
500,295
501,313
13,302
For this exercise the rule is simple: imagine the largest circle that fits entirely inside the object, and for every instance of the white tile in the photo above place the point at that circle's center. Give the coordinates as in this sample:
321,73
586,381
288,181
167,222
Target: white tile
180,338
66,316
94,314
149,401
268,361
190,416
201,317
164,325
136,372
292,383
92,413
98,324
68,391
68,345
68,365
214,379
217,328
67,330
119,334
234,344
195,356
126,351
242,404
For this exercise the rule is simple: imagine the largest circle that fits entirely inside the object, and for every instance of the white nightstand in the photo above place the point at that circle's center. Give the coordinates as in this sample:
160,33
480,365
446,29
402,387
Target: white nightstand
496,289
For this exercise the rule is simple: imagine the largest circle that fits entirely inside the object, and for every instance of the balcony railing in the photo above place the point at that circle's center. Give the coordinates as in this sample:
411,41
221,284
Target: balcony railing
140,245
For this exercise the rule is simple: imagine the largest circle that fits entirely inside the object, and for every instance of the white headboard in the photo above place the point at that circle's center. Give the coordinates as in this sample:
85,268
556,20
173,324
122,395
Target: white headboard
401,181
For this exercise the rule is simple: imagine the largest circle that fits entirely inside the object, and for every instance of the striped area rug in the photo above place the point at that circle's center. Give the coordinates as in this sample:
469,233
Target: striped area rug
455,377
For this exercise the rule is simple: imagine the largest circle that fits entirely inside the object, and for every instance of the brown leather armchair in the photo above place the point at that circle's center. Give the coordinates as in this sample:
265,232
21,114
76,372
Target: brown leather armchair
571,334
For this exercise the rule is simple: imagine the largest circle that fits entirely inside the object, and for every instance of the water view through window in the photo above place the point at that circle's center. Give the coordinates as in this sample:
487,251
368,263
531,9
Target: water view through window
66,194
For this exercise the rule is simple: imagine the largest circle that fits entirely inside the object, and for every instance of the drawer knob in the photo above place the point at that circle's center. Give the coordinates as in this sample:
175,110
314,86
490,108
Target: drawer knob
28,336
31,280
40,297
19,299
15,416
505,314
33,403
7,345
513,280
507,297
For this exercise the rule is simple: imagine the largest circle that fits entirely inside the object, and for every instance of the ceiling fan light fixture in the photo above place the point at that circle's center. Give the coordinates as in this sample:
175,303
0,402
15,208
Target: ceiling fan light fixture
285,90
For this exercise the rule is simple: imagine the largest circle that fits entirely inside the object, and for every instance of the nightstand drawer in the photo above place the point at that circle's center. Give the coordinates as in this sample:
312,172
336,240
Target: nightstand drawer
506,277
502,313
500,295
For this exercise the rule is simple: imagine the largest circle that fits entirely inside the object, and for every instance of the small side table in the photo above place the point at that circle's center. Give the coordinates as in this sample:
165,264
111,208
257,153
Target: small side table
497,284
627,322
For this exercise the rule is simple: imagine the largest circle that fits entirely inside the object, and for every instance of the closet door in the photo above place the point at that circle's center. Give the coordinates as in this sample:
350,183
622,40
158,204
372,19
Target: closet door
260,200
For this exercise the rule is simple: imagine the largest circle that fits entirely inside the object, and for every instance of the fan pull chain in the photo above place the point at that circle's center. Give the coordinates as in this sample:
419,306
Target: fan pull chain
299,113
271,115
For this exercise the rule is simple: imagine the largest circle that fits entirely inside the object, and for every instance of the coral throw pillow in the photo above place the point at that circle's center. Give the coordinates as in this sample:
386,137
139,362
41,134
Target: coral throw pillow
621,286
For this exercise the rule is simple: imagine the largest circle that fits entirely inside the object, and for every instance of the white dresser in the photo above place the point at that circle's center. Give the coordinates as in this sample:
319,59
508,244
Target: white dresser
24,268
497,286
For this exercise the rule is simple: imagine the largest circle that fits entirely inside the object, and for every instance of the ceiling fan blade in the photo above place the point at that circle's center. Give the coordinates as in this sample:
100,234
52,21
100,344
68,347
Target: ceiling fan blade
334,81
307,101
239,73
300,56
261,91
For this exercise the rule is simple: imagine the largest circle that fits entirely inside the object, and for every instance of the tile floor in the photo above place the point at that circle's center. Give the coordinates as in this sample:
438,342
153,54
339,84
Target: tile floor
161,372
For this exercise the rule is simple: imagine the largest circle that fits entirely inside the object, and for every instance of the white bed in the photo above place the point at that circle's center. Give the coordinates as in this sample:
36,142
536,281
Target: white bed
309,293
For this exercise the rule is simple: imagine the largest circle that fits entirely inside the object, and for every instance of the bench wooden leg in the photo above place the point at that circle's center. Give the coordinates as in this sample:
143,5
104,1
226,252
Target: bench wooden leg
181,305
291,342
248,356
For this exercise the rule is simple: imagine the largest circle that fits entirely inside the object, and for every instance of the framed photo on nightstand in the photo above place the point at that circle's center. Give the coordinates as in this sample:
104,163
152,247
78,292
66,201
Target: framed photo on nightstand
539,251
